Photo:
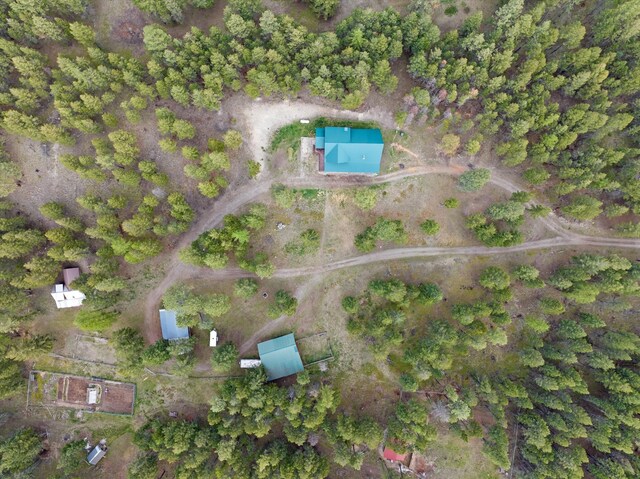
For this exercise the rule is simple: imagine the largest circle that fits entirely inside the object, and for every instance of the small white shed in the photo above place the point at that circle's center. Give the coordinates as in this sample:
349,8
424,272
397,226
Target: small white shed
92,395
213,339
250,363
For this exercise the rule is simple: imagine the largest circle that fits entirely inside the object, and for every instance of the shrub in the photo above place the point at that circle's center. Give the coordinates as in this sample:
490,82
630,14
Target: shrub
494,278
614,210
382,230
429,227
89,320
245,287
583,207
283,196
52,210
309,242
451,203
224,357
213,144
254,168
450,144
536,175
284,305
168,145
408,383
629,229
472,147
551,306
366,198
474,180
400,118
232,139
350,304
451,10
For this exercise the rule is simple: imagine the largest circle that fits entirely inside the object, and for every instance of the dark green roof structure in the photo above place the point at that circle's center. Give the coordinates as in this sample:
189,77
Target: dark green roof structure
349,150
280,357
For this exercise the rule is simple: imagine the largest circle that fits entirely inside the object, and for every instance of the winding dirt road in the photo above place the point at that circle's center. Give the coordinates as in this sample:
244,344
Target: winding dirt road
263,118
231,202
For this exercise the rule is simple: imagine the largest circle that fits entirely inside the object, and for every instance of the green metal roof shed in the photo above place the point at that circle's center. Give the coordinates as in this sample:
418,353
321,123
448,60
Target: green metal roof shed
280,357
350,150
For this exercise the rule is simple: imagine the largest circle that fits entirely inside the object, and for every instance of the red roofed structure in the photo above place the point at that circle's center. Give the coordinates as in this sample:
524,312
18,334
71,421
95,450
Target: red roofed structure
391,455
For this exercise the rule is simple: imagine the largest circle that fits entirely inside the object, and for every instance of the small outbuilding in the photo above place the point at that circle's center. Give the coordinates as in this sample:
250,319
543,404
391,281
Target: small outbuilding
64,296
69,275
96,454
169,326
280,357
250,363
349,150
393,456
93,394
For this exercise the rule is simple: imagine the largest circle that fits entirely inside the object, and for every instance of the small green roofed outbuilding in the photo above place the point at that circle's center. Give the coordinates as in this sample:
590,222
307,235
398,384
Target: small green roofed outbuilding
280,357
350,150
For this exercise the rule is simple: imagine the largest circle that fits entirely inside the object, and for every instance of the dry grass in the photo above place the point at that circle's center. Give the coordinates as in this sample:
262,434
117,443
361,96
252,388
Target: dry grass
452,457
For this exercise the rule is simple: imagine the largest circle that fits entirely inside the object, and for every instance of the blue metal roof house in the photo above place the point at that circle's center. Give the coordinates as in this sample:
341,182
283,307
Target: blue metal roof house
169,326
280,357
349,150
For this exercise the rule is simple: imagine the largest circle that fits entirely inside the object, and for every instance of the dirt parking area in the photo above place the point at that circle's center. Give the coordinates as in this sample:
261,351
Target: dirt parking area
263,118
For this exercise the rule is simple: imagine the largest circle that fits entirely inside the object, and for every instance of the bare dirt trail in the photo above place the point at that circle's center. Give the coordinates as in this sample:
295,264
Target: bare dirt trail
407,253
272,326
317,272
176,269
249,193
231,202
263,119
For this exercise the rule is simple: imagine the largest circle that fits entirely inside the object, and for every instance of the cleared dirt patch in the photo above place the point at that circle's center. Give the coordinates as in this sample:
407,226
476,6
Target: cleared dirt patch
265,118
89,348
128,27
43,176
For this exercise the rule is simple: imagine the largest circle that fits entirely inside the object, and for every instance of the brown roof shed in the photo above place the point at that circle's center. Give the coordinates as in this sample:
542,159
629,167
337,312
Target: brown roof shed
69,275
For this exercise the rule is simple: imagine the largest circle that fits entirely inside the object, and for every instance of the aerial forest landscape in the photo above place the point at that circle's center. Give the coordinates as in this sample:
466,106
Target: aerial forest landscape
308,239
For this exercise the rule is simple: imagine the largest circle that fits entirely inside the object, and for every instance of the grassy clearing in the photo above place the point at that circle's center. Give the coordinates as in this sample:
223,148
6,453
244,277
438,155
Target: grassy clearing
453,457
314,348
289,135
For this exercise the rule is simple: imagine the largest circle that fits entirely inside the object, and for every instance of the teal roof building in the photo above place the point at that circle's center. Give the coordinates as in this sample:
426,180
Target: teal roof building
349,150
280,357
